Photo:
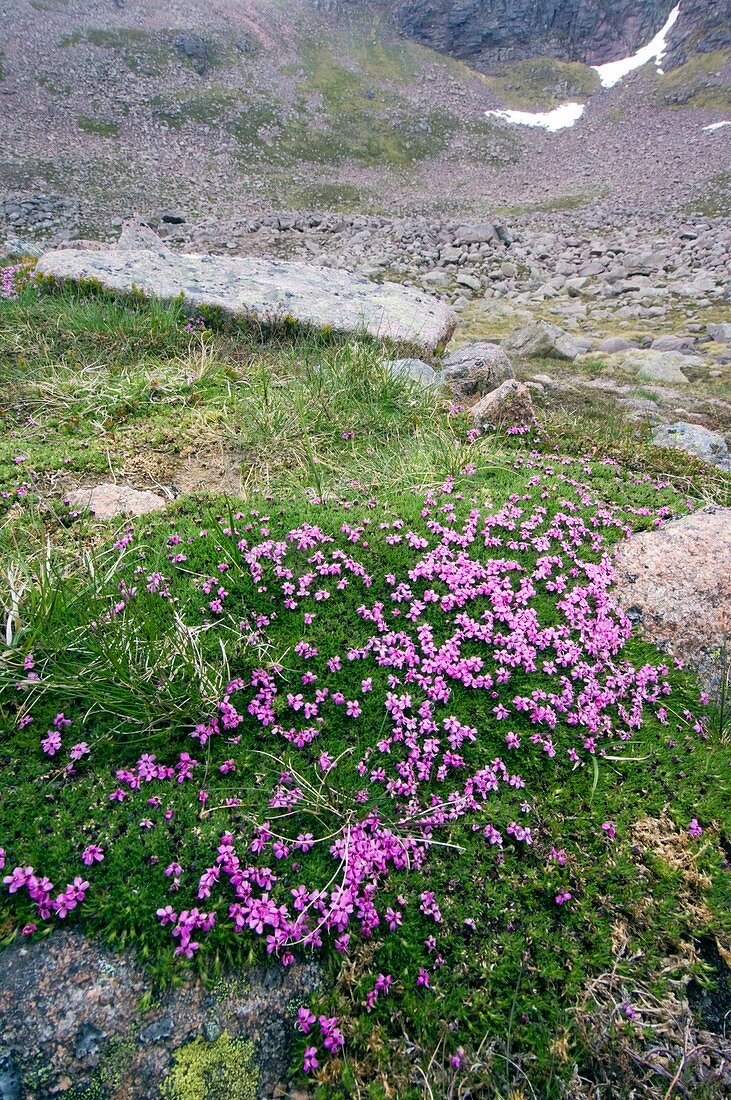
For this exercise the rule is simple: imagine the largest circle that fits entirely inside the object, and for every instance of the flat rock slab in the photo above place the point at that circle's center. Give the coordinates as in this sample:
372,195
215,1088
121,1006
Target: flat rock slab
70,1020
107,501
413,370
269,290
541,340
676,583
705,444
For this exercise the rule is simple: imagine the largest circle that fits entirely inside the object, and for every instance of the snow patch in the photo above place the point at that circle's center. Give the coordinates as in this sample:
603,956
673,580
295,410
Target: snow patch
717,125
557,119
614,71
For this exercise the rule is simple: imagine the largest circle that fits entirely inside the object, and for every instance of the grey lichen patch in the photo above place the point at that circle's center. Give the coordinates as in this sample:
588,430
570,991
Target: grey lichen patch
223,1070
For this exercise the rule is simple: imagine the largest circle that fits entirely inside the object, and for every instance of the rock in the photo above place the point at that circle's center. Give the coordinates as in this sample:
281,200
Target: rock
65,995
10,1085
172,217
82,245
107,501
576,285
541,340
193,48
510,403
694,439
268,290
660,366
415,369
470,281
157,1030
476,369
643,263
476,234
614,344
509,269
88,1042
720,333
436,278
676,581
137,236
673,343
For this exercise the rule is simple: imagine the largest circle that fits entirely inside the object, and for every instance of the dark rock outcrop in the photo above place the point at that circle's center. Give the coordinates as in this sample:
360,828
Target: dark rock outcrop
594,31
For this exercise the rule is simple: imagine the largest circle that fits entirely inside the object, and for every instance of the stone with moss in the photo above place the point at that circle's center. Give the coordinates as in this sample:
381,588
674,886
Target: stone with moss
223,1070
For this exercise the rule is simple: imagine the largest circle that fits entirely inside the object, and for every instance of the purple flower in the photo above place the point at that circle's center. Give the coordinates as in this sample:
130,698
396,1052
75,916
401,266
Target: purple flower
310,1062
305,1020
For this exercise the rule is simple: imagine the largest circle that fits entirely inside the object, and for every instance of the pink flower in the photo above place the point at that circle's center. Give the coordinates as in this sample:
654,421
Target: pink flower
694,829
310,1062
305,1020
92,854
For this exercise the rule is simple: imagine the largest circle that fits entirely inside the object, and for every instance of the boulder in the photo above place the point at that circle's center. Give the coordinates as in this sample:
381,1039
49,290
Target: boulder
476,370
264,289
476,234
194,49
660,366
415,370
682,344
509,404
675,582
137,236
696,440
106,501
613,344
541,340
172,217
470,281
720,333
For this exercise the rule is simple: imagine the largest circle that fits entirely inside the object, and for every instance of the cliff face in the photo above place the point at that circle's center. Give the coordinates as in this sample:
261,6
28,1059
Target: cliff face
594,31
574,29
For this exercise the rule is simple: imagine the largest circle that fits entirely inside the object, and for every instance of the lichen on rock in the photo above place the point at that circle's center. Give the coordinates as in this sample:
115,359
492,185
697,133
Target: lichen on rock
223,1070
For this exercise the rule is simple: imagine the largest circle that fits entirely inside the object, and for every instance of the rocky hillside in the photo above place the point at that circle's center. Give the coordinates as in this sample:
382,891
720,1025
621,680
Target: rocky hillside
238,107
485,31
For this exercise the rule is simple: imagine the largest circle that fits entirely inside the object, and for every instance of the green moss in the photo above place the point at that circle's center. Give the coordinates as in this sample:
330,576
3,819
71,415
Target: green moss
544,82
101,127
715,201
51,87
330,196
224,1070
142,52
337,118
698,83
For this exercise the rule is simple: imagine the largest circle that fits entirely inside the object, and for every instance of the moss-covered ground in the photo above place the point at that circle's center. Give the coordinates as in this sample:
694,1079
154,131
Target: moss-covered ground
359,498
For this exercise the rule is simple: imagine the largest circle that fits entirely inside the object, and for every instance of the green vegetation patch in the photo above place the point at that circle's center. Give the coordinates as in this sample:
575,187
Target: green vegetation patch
143,52
377,708
543,82
101,127
340,115
223,1070
703,81
715,201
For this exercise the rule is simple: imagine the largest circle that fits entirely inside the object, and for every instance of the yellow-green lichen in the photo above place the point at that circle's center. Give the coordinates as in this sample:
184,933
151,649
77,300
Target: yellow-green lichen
224,1070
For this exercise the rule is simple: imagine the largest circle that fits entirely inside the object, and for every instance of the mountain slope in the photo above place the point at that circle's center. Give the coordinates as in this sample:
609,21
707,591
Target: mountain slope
233,107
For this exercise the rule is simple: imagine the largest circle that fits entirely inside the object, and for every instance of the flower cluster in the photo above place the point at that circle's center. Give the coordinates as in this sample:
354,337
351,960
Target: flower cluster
491,645
8,281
